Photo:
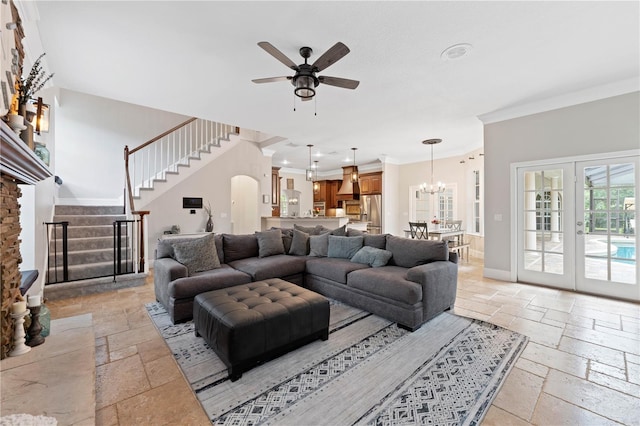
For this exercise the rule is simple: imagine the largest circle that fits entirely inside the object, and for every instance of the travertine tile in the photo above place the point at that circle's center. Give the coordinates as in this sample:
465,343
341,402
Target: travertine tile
618,373
517,311
120,380
171,404
610,382
532,367
569,319
603,339
557,302
592,351
102,355
501,319
107,416
597,314
603,401
131,337
554,411
498,417
540,333
162,370
519,393
633,371
475,306
554,358
123,352
153,349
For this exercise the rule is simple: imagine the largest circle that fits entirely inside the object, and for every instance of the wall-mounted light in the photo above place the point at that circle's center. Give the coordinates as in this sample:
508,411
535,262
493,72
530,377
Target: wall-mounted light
40,118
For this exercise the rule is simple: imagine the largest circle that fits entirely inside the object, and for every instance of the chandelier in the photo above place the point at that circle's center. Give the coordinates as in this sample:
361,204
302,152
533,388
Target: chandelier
433,188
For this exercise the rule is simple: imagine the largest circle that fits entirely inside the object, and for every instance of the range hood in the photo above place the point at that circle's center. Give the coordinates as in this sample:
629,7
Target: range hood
348,190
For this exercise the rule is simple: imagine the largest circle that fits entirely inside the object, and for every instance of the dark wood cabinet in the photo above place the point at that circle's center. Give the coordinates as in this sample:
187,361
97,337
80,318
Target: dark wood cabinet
371,183
320,191
326,192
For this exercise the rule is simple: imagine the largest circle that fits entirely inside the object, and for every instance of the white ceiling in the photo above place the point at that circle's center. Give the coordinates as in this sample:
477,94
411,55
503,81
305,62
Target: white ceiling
198,58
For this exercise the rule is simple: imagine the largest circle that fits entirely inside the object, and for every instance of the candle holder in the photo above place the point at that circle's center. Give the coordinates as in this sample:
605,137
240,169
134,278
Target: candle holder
35,338
19,347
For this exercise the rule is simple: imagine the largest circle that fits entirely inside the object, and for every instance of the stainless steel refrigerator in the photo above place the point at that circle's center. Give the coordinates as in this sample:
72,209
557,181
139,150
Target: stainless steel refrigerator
371,212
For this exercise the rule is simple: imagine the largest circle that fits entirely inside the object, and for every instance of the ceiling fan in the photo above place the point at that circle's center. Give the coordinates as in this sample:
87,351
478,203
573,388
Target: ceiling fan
305,80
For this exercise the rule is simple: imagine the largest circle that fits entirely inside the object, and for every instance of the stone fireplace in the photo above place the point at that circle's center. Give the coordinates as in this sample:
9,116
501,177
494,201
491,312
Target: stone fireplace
18,165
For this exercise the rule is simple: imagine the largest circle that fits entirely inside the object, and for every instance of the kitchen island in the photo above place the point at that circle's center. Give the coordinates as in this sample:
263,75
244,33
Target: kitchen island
269,222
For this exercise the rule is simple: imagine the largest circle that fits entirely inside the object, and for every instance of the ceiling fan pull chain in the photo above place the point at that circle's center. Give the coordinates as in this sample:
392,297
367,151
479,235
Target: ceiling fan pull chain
315,106
294,103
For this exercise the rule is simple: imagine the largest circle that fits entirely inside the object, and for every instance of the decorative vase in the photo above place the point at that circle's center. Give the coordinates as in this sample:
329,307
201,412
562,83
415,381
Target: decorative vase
42,152
16,122
209,227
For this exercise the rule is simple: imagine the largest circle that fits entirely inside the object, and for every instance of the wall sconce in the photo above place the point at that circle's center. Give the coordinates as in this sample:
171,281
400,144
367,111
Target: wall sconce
40,120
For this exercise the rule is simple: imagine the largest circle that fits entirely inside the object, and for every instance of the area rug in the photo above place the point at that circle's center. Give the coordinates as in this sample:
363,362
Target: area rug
370,371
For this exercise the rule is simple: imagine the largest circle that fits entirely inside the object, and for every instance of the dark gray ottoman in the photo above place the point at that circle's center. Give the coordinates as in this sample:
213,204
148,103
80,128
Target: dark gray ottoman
251,323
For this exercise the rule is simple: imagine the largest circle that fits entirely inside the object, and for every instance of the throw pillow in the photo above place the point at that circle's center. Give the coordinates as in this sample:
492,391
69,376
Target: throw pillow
372,256
198,254
319,245
310,230
299,243
354,232
238,247
270,243
344,247
409,253
376,240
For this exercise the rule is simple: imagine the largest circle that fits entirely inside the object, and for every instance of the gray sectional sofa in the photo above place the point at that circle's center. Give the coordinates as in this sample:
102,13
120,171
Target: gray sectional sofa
404,280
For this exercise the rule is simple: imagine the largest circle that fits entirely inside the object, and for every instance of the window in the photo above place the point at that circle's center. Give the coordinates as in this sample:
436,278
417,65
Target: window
446,205
477,220
425,206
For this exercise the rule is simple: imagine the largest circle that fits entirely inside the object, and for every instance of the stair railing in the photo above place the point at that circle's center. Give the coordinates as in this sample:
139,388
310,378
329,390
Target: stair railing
57,232
123,254
164,154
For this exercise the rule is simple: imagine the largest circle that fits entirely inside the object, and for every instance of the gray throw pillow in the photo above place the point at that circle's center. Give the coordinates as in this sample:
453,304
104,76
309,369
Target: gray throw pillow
310,230
354,232
372,256
299,243
197,254
409,253
344,247
319,245
270,243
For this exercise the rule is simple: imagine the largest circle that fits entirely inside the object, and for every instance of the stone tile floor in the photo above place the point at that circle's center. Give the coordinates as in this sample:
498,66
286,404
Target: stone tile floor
581,366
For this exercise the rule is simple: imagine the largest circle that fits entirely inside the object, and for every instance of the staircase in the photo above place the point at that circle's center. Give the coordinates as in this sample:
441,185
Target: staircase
90,242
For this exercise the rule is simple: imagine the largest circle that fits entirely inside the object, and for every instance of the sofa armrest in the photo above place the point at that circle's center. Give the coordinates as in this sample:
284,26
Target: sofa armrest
439,281
166,270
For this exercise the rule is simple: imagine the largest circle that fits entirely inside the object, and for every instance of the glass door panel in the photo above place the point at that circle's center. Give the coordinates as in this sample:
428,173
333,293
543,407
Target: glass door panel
545,203
607,237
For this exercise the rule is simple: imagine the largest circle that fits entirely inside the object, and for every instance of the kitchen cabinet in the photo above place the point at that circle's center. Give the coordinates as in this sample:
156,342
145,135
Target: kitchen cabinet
320,194
371,183
332,189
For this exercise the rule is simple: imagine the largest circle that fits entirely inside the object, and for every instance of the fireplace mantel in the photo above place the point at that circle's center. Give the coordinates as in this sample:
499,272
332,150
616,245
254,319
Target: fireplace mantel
18,161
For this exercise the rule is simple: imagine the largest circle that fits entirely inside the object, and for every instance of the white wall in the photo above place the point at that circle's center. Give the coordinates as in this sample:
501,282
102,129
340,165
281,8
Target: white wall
606,125
90,138
301,184
213,184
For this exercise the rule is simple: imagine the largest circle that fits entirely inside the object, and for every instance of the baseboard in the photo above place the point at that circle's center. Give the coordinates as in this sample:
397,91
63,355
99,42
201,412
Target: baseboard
496,274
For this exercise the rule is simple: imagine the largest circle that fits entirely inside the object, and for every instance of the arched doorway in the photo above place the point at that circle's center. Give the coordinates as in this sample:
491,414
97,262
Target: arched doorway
245,213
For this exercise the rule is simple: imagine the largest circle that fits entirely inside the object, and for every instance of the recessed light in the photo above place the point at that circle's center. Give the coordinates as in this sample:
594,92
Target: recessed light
456,51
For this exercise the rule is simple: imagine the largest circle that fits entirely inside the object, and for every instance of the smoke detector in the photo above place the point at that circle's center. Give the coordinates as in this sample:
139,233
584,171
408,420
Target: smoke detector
456,51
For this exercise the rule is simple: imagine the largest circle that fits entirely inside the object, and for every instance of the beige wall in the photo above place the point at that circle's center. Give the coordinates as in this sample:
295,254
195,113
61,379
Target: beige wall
607,125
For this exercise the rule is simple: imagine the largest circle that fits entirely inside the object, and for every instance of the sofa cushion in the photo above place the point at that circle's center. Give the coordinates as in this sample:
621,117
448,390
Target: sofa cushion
299,243
376,240
344,247
278,266
311,230
409,253
334,269
214,279
270,243
197,254
372,256
389,282
319,245
239,246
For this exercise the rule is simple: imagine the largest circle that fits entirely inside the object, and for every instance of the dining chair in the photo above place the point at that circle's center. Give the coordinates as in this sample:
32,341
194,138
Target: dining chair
419,230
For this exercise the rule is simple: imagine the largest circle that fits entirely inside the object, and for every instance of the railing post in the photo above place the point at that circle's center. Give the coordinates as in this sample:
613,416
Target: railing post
65,252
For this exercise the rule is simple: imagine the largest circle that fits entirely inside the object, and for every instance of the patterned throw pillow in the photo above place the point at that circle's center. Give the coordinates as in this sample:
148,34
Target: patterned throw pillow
197,254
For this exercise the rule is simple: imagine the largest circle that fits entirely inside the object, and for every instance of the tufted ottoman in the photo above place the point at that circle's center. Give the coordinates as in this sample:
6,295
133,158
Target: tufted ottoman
251,323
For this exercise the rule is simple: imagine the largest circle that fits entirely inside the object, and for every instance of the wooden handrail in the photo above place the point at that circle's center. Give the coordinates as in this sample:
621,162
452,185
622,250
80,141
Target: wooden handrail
162,135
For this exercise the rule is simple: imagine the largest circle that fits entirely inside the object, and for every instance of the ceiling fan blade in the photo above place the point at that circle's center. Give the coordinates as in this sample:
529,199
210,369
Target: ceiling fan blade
270,49
270,79
330,57
339,82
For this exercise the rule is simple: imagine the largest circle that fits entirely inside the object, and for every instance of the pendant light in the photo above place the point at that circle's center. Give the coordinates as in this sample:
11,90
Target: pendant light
310,169
354,171
316,184
433,188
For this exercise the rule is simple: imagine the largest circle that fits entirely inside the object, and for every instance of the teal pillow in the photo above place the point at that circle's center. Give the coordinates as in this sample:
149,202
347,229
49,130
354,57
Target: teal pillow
372,256
344,247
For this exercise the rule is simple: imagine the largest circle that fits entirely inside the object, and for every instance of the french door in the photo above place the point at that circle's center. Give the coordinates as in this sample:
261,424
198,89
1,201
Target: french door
577,226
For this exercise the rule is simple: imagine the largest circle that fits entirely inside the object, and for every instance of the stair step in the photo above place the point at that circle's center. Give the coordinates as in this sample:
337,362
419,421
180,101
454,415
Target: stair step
87,256
83,220
90,270
90,243
92,210
86,231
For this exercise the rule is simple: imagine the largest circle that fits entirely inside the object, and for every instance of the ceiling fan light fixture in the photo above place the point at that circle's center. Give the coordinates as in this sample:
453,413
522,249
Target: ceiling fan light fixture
305,87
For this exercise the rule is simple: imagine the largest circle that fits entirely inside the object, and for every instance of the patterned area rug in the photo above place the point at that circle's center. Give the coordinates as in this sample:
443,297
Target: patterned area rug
369,372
